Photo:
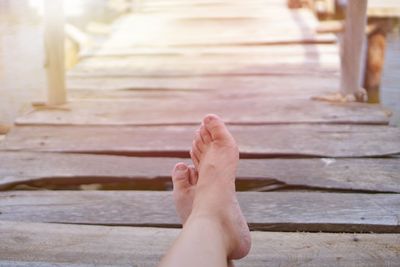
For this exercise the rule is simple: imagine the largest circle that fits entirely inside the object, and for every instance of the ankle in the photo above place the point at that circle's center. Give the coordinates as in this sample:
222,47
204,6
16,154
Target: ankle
219,226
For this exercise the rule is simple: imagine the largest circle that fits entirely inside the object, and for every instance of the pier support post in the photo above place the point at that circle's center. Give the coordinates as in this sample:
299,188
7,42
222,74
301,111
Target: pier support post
352,49
375,59
54,51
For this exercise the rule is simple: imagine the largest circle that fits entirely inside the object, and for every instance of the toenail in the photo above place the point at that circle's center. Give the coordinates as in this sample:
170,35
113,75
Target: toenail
181,167
208,119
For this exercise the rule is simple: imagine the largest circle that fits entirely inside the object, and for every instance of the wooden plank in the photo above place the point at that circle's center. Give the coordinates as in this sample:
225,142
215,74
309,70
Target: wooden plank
274,211
166,31
383,8
307,50
194,5
301,85
31,244
178,66
246,10
236,109
59,170
254,141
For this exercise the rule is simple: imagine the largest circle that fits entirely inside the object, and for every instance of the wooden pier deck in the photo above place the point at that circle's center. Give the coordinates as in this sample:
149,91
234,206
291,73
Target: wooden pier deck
319,181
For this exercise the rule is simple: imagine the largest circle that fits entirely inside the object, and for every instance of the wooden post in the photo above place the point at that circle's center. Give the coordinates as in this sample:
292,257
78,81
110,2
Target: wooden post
353,43
54,46
375,60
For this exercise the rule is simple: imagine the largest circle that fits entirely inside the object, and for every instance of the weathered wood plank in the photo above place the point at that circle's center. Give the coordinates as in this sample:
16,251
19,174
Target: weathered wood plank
179,31
302,85
210,61
236,109
160,66
61,170
383,8
226,10
307,50
254,141
30,244
275,211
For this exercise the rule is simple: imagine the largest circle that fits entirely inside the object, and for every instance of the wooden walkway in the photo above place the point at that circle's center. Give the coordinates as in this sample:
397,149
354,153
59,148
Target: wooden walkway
319,181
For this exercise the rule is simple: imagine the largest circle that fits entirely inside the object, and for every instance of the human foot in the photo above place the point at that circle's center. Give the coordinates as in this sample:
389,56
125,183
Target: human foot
184,180
215,155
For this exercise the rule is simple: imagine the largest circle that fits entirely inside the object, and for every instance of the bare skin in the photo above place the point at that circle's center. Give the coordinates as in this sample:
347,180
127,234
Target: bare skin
184,178
214,228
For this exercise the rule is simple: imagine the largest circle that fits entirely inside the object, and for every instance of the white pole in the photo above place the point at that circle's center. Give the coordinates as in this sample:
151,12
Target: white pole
54,46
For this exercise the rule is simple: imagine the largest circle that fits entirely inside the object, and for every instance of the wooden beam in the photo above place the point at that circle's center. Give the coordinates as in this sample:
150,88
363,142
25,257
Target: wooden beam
257,109
353,42
54,44
254,141
272,211
70,170
44,245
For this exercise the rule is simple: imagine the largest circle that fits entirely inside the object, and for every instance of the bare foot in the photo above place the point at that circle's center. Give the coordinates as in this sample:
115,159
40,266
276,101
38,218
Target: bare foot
215,155
184,179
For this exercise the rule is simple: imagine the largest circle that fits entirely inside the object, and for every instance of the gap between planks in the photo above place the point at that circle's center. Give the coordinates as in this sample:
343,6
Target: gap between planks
62,170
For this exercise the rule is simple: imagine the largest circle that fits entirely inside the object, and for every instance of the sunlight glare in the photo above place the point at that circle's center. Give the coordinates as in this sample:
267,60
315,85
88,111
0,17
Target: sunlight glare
72,8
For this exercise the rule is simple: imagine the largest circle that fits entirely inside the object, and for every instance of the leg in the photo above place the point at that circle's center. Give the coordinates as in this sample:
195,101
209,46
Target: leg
215,230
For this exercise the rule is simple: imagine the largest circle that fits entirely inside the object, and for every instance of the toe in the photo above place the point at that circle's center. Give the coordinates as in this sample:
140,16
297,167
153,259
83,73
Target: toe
193,175
196,151
194,158
198,142
180,176
205,135
216,127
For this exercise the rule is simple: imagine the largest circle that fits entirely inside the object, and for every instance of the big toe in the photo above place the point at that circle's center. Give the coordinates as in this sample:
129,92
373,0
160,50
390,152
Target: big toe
181,176
216,127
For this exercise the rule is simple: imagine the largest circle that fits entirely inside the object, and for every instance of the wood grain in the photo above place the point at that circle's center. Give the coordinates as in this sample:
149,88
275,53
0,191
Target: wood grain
178,31
60,170
31,244
313,51
203,61
181,67
234,109
301,86
274,211
254,141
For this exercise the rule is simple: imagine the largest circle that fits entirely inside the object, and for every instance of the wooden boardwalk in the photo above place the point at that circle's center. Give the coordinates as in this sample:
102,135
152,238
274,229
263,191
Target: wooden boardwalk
319,181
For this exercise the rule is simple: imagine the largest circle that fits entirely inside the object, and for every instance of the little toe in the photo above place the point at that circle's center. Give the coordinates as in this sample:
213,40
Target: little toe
180,176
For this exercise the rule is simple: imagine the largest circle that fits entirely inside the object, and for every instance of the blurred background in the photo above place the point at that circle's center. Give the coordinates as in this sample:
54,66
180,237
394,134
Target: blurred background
22,76
22,73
